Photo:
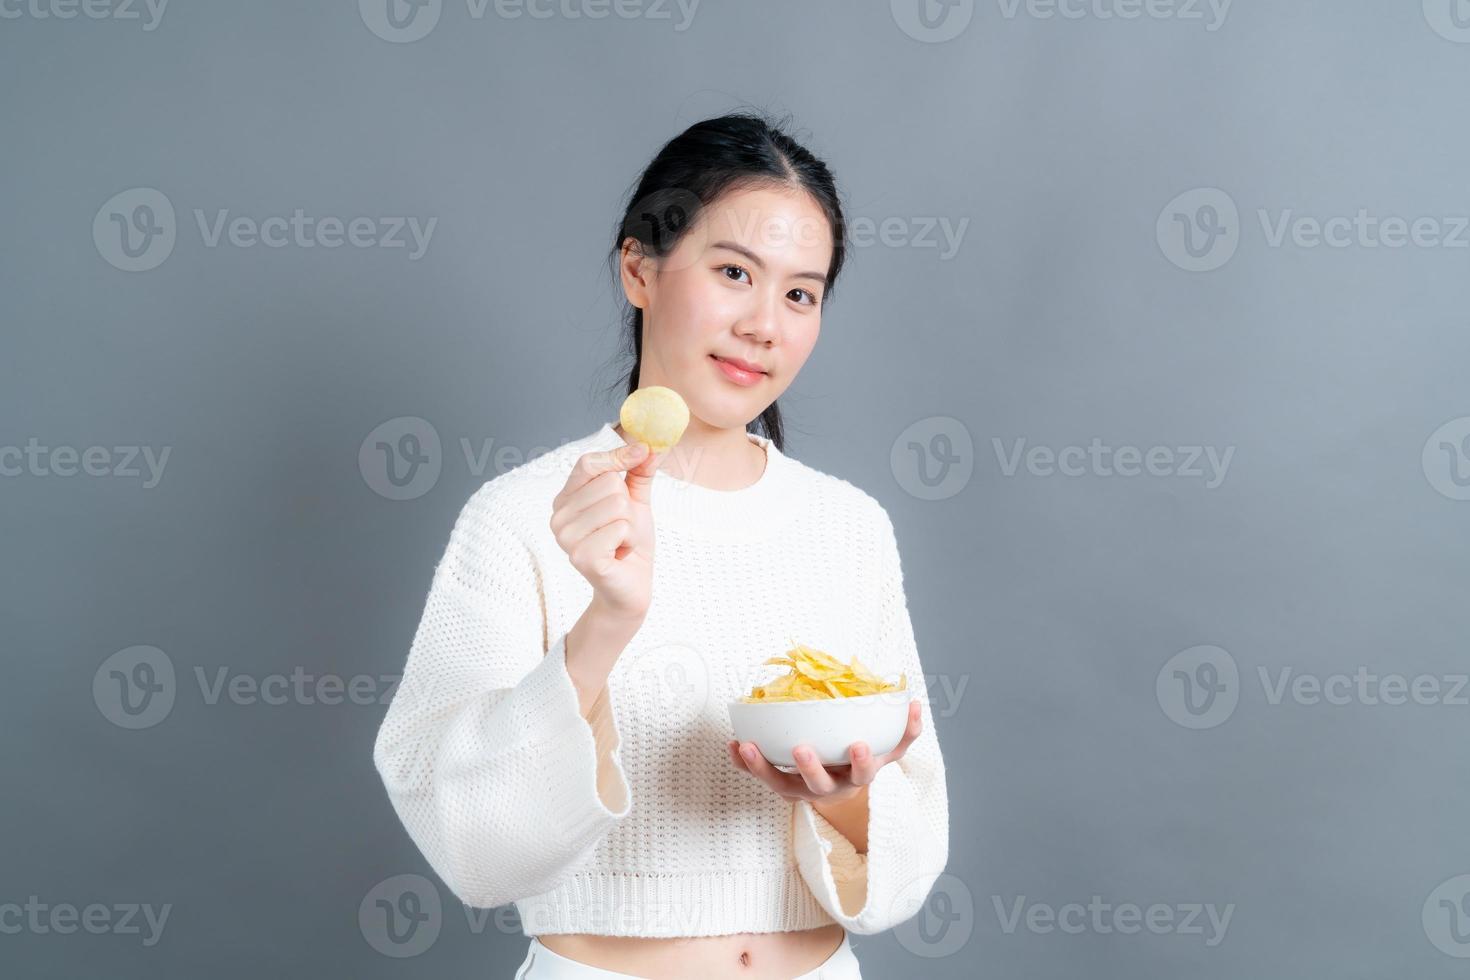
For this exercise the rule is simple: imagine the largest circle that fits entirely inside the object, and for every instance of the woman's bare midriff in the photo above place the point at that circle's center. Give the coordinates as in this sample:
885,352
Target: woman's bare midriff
740,956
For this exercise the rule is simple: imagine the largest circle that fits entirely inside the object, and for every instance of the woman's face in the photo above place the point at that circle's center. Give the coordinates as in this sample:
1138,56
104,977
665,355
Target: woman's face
745,283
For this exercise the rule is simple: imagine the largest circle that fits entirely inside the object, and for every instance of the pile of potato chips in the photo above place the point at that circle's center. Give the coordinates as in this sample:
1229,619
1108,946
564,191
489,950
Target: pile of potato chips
815,674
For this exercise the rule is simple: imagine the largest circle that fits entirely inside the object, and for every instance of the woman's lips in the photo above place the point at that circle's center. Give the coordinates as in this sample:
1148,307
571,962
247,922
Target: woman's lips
738,375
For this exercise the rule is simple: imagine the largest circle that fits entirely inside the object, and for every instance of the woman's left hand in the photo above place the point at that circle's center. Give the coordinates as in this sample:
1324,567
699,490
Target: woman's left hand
824,784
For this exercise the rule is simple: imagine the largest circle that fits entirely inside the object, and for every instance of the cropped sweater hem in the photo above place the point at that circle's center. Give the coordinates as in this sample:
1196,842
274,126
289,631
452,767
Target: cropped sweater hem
709,903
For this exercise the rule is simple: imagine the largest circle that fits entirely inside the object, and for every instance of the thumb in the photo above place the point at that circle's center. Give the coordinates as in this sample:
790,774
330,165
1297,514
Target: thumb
640,477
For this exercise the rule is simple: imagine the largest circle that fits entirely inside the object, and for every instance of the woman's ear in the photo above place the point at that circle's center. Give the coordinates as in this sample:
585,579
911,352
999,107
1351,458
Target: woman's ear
636,271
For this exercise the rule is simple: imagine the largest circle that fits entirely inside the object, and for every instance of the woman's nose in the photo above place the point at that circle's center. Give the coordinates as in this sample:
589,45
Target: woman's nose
762,324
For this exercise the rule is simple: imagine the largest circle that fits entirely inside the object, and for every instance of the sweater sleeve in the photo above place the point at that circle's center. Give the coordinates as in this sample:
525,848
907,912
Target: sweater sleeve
498,778
908,808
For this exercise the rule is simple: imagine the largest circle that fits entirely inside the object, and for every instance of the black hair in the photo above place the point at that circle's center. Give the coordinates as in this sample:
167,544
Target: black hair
731,152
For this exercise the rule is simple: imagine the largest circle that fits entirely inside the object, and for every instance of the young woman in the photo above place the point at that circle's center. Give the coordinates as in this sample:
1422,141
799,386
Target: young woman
556,740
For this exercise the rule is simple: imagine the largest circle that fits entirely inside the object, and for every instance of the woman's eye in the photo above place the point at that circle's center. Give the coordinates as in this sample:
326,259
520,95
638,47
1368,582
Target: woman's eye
725,268
810,299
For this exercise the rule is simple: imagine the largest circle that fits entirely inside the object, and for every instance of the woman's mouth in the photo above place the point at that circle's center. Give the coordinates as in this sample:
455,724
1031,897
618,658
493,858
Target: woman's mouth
737,374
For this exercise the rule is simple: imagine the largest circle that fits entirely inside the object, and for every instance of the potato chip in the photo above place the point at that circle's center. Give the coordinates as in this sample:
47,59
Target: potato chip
813,674
654,415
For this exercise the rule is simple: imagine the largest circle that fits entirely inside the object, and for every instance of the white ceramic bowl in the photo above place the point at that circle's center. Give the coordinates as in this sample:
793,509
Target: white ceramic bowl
827,725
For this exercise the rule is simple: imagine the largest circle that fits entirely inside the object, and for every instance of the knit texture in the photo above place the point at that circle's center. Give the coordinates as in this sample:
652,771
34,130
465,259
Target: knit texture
634,821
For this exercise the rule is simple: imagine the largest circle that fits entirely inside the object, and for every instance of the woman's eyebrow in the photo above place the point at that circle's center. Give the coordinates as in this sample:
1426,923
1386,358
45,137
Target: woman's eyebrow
759,263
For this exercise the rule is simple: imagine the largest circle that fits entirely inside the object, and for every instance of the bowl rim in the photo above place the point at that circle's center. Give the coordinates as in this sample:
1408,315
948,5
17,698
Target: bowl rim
848,699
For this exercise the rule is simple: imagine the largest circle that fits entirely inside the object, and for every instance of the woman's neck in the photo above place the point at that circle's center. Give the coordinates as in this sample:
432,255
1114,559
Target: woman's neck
718,459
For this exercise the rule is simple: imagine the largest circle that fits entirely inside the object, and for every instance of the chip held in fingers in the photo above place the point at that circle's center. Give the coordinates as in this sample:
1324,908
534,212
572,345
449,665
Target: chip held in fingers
654,415
814,675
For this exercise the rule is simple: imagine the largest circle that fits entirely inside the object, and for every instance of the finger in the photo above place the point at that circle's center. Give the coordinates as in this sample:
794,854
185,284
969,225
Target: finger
640,478
732,748
600,514
600,547
910,732
864,766
784,783
592,465
569,505
818,780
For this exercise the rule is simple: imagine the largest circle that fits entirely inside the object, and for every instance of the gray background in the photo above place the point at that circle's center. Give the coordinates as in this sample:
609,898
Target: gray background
1057,600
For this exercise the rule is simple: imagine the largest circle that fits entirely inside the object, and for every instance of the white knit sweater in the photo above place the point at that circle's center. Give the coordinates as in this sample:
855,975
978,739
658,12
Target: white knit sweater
635,822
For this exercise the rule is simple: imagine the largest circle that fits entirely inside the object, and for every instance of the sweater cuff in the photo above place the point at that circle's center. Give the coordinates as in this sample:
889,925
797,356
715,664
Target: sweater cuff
868,893
849,868
579,758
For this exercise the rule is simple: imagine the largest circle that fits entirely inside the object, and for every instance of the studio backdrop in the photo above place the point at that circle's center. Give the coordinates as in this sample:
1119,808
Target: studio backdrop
1153,343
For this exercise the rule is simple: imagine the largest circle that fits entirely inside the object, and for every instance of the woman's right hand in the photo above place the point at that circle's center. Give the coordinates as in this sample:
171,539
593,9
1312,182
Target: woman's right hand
602,520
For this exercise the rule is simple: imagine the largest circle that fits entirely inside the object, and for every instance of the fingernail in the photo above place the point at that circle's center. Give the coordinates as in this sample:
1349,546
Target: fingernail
802,755
749,753
860,752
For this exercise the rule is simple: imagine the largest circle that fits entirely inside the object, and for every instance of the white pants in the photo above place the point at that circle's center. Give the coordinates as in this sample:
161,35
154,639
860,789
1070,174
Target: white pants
542,964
